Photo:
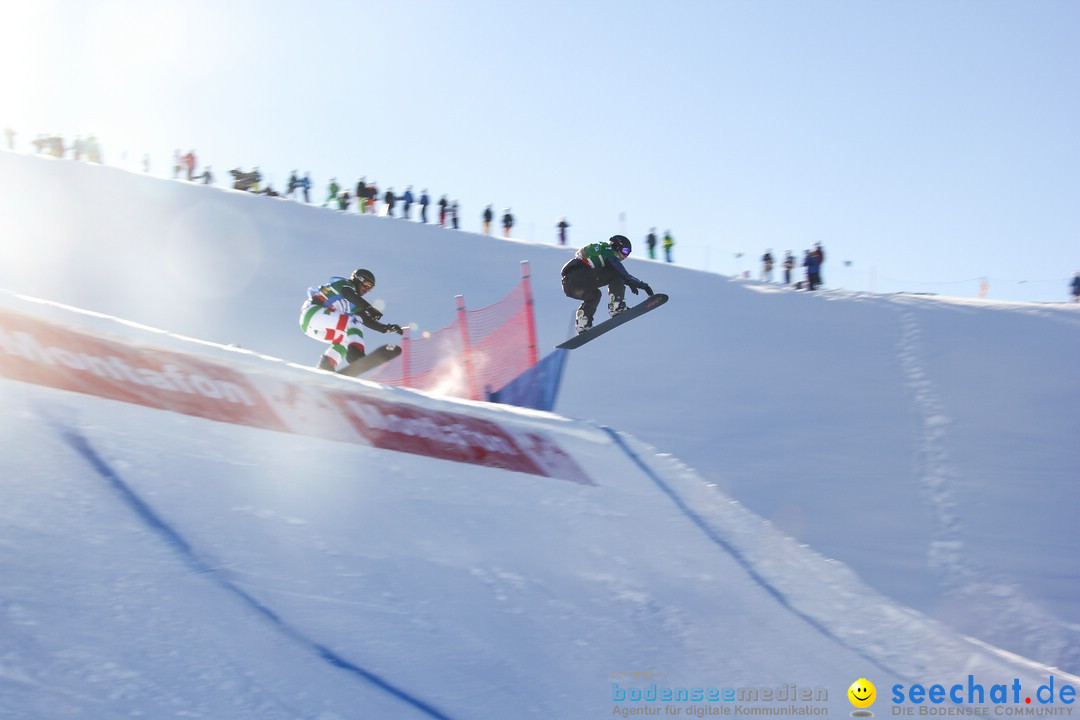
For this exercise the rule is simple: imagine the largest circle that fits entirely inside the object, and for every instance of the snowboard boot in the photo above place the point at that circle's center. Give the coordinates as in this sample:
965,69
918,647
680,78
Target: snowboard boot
326,363
582,321
615,305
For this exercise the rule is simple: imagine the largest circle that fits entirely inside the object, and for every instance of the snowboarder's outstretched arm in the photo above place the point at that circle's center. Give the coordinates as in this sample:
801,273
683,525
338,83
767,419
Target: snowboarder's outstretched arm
384,328
368,313
631,282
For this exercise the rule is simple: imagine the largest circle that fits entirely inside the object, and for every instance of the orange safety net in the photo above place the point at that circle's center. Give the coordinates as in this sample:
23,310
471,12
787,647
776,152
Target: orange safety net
481,351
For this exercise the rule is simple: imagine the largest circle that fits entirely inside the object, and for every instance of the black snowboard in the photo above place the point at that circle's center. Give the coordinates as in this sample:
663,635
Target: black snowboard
629,314
372,360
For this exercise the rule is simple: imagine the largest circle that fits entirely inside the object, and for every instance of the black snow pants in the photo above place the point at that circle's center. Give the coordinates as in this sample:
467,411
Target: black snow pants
581,282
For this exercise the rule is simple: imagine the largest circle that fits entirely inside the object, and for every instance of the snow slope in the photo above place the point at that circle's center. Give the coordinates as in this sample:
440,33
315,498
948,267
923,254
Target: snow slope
924,442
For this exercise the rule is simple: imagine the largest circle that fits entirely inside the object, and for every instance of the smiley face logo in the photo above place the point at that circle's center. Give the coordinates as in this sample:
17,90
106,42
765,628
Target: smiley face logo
862,693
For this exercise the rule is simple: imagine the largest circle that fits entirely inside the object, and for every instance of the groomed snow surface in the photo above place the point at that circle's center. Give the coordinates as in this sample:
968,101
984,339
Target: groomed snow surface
751,488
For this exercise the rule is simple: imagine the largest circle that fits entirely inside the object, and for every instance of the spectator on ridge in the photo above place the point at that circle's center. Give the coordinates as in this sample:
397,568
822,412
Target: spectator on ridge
562,225
669,244
507,222
789,265
424,202
332,191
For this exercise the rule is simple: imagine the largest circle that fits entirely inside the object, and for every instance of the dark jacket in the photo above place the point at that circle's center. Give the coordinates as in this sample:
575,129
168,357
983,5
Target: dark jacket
603,267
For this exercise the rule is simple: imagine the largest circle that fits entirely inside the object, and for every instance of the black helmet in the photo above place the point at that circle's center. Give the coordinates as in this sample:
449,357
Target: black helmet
363,280
621,245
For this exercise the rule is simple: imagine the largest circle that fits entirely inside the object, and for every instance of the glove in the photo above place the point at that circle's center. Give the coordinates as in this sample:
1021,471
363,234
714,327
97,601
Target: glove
647,289
394,328
634,289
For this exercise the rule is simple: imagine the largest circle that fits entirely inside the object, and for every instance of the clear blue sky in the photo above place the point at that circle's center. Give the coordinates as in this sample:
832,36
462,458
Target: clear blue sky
928,143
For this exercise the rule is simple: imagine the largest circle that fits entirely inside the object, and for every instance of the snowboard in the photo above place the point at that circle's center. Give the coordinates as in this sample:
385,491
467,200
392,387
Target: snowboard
629,314
371,361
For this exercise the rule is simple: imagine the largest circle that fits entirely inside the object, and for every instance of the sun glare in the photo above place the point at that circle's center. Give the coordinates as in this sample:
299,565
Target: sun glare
136,52
134,42
96,67
25,56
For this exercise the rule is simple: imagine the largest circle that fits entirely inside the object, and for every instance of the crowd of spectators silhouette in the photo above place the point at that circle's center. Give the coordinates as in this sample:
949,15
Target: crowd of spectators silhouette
812,260
368,201
82,148
364,197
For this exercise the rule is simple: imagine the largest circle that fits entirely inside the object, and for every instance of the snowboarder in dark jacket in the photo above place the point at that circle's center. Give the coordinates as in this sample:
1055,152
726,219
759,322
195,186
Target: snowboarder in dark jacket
593,267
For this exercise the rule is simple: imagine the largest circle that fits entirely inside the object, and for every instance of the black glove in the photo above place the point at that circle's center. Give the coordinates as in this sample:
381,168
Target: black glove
393,328
647,289
634,289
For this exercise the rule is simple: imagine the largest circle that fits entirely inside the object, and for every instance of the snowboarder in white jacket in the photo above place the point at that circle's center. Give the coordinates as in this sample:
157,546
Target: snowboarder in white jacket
337,313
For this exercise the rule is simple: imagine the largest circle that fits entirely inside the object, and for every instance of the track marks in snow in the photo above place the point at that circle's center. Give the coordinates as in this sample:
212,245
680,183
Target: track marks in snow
997,605
935,477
